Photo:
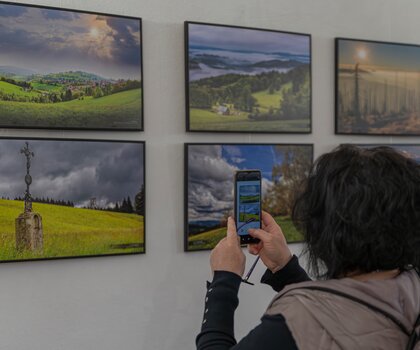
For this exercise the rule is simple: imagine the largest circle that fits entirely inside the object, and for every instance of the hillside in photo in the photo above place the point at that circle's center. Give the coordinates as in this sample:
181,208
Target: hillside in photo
72,232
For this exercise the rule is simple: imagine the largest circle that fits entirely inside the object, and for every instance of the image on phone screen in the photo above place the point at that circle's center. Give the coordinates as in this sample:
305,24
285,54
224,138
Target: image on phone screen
249,206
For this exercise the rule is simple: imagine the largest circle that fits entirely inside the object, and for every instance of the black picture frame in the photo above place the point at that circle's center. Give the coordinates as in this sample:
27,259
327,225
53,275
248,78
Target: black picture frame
55,205
186,181
268,130
387,91
132,99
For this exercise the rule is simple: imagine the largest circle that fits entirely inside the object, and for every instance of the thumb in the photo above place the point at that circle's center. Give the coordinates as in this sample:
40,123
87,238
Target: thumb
231,230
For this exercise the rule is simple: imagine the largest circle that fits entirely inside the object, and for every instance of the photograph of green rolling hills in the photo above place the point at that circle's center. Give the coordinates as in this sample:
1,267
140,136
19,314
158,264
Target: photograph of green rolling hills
64,69
88,198
210,186
247,80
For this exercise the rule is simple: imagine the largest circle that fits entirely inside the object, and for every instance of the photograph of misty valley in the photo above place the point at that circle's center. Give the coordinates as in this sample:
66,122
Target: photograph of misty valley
378,88
248,80
210,186
70,198
69,70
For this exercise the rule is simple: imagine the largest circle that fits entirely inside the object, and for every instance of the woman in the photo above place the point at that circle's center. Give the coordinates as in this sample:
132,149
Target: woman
360,215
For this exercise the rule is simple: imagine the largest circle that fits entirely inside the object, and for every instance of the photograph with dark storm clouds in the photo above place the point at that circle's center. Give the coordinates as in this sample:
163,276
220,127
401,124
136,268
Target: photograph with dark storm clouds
210,186
90,196
64,69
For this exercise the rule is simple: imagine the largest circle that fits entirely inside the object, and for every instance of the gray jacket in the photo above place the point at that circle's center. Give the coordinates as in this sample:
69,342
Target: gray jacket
320,320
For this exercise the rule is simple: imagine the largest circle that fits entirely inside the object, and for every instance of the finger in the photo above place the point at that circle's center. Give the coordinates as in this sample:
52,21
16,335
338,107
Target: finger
220,243
267,219
231,231
262,235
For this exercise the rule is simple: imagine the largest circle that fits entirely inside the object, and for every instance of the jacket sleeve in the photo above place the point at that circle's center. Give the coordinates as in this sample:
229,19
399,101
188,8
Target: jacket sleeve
291,273
217,326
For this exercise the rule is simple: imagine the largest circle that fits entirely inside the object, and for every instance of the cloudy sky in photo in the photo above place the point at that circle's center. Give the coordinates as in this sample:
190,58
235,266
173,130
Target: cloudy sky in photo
73,170
250,40
51,41
211,170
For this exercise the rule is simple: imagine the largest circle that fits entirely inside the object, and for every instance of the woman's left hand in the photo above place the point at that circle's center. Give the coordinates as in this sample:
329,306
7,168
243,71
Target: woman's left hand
228,255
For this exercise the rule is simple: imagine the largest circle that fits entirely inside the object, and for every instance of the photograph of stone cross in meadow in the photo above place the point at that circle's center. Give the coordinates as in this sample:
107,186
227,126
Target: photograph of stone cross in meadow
377,88
66,69
209,187
70,198
247,80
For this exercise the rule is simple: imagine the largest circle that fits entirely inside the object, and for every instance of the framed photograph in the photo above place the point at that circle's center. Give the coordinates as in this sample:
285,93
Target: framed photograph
209,186
71,198
409,150
247,80
68,69
377,88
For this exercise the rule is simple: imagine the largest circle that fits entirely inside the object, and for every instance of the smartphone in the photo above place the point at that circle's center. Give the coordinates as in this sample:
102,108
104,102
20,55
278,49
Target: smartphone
247,203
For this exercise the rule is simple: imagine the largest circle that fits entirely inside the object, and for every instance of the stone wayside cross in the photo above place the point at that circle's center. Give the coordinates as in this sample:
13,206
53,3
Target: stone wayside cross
29,233
28,178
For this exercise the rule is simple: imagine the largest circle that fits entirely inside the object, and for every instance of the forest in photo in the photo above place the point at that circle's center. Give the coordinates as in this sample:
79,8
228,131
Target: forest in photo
210,186
90,196
378,88
248,80
63,69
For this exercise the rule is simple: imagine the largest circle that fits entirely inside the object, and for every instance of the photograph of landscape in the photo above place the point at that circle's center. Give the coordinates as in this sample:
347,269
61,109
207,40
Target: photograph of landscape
64,69
411,151
90,196
209,188
247,80
248,196
377,88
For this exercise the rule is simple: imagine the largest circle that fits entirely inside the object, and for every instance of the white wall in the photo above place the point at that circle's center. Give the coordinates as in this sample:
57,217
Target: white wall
154,301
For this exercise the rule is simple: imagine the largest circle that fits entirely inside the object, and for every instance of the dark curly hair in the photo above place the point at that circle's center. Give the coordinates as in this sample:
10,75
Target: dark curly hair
360,212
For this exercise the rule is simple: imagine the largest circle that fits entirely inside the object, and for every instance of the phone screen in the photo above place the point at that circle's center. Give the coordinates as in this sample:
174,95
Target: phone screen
248,199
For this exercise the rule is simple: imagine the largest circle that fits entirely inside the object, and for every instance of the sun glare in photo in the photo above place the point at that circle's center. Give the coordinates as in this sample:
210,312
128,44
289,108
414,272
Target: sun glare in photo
361,54
94,32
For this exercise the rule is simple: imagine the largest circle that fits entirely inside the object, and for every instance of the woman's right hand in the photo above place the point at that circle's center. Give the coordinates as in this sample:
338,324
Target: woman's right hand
272,248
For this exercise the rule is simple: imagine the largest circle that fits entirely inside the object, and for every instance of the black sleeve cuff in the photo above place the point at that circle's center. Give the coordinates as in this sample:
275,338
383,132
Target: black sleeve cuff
289,274
219,309
225,278
221,301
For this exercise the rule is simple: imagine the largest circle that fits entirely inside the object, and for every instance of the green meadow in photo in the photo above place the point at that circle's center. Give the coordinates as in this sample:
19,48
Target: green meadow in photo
248,80
89,195
64,69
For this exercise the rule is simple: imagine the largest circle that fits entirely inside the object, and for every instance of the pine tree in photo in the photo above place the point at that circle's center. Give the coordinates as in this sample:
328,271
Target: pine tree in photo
139,201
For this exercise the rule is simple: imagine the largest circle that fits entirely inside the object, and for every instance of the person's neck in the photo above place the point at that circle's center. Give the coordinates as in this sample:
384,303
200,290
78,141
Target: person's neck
374,275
